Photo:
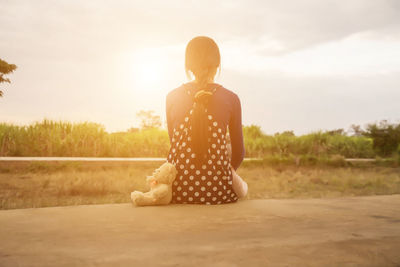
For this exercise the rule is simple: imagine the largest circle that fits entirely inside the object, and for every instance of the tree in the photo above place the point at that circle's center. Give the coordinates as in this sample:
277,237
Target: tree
148,119
356,130
252,131
5,69
385,136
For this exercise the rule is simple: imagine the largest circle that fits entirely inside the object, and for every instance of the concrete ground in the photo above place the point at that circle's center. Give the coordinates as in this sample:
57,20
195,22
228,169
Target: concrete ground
358,231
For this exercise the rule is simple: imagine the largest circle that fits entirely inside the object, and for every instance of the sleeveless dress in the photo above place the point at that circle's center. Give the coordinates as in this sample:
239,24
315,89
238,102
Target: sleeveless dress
210,183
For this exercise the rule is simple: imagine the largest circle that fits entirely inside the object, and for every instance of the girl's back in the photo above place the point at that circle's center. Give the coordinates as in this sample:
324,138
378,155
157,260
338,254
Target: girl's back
208,181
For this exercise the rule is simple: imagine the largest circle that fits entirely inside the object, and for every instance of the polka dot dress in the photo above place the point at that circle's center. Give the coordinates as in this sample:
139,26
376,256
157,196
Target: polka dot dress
210,183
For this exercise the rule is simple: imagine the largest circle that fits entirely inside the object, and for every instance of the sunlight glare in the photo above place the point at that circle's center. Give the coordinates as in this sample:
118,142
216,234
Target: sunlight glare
149,69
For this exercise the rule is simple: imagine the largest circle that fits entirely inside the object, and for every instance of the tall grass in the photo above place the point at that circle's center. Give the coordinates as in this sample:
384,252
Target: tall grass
88,139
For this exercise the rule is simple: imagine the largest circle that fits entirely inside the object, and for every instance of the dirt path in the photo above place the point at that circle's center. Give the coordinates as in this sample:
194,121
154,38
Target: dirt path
359,231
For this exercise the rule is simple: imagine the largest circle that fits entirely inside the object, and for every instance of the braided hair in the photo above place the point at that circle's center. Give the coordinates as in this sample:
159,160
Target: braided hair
202,59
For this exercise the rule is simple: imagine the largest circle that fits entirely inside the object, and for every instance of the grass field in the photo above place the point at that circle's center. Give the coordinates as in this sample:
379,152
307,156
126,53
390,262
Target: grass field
43,184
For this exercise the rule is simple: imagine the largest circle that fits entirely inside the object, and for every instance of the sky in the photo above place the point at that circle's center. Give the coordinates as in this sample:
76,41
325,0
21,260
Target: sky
303,65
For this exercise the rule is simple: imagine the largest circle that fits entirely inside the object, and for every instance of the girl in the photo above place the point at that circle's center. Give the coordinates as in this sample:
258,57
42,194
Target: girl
199,113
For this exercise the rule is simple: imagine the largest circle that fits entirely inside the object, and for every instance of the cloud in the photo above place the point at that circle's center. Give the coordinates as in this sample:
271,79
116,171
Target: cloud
273,27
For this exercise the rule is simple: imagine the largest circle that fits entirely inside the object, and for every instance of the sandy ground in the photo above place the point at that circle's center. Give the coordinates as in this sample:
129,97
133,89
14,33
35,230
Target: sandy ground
359,231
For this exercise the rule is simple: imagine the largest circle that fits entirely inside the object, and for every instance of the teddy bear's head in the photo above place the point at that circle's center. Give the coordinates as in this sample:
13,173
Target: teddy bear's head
165,174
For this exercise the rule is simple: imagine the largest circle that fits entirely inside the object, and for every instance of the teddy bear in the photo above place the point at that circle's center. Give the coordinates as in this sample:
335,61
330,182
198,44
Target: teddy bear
160,187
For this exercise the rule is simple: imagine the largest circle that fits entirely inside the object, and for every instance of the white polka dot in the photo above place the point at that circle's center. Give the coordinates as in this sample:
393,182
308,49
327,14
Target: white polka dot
203,188
220,182
185,183
175,183
176,133
197,172
179,188
224,197
187,160
202,199
219,172
219,202
180,177
196,194
186,119
213,156
208,203
225,162
182,166
214,135
197,183
209,183
233,194
229,191
203,178
213,145
218,151
222,147
189,138
209,194
178,198
190,199
184,194
209,161
193,155
181,126
209,117
215,178
209,172
203,167
173,150
220,193
186,172
215,188
191,177
214,198
219,130
190,188
219,162
192,166
183,144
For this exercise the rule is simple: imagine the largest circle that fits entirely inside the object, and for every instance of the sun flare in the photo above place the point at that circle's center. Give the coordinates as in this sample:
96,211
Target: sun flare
149,70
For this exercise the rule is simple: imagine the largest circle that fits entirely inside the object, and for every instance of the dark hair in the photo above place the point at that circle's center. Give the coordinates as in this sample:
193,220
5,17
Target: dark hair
202,59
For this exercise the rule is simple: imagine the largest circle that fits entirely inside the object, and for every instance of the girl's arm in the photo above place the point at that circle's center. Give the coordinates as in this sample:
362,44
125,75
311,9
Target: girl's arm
236,134
168,115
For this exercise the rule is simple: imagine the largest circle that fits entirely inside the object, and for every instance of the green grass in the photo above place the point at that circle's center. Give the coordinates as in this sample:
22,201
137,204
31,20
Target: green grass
88,139
44,184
